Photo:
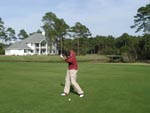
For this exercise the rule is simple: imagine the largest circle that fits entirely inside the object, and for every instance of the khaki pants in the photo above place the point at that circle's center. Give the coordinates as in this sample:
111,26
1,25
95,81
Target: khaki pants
71,79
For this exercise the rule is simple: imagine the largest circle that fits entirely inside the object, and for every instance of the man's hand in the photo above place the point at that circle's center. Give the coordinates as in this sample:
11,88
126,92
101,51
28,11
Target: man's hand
61,56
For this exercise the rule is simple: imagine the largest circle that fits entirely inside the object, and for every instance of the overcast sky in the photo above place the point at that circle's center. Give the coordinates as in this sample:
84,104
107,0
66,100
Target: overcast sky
102,17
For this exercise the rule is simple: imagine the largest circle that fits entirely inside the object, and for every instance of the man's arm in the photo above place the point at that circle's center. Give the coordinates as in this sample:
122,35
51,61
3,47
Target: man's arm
63,57
69,59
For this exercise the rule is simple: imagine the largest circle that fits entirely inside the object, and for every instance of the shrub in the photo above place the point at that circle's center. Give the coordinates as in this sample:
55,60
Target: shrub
2,51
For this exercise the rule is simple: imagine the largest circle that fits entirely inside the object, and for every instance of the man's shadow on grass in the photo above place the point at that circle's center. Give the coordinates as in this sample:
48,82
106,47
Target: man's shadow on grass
72,90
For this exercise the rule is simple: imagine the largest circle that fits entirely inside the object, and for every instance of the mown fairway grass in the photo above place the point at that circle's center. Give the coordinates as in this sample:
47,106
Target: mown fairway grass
34,87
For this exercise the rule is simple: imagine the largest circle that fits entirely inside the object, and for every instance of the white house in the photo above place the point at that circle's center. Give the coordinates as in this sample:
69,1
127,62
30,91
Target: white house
35,44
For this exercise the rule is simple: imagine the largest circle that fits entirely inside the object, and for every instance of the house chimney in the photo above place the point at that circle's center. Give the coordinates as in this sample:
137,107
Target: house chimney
43,33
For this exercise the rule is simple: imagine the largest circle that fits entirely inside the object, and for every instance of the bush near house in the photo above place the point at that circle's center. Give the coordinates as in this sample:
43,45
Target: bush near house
2,51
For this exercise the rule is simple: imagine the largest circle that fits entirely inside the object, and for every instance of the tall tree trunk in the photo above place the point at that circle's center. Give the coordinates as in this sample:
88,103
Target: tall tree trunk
78,47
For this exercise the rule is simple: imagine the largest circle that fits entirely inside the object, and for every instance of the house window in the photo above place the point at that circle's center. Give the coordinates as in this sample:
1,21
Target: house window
43,43
25,50
36,45
37,50
31,51
43,50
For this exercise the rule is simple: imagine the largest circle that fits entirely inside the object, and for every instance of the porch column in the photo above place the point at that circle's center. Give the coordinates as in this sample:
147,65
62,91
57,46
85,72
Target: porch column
34,50
39,48
46,49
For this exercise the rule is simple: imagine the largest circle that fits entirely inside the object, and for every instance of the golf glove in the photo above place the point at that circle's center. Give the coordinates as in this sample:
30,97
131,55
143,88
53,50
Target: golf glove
61,55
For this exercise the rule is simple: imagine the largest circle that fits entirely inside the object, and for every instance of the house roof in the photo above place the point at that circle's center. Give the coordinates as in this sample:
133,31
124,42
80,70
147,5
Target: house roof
19,45
35,38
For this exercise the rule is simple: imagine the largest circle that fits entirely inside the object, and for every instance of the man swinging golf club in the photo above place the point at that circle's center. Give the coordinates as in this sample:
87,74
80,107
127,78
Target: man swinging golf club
71,74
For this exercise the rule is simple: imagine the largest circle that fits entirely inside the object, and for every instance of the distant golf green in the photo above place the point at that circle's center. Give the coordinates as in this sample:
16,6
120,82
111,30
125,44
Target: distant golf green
34,87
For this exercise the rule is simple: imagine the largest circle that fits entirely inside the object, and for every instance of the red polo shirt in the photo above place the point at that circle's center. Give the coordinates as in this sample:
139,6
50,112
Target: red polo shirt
71,60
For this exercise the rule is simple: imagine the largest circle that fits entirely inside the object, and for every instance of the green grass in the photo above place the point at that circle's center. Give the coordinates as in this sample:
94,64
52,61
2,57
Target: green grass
34,87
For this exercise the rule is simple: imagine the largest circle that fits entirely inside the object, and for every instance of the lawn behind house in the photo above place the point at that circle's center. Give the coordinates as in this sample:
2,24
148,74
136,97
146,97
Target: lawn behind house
53,58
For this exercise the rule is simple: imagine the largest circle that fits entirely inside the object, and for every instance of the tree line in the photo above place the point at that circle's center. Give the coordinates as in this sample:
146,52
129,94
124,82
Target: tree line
131,48
80,38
